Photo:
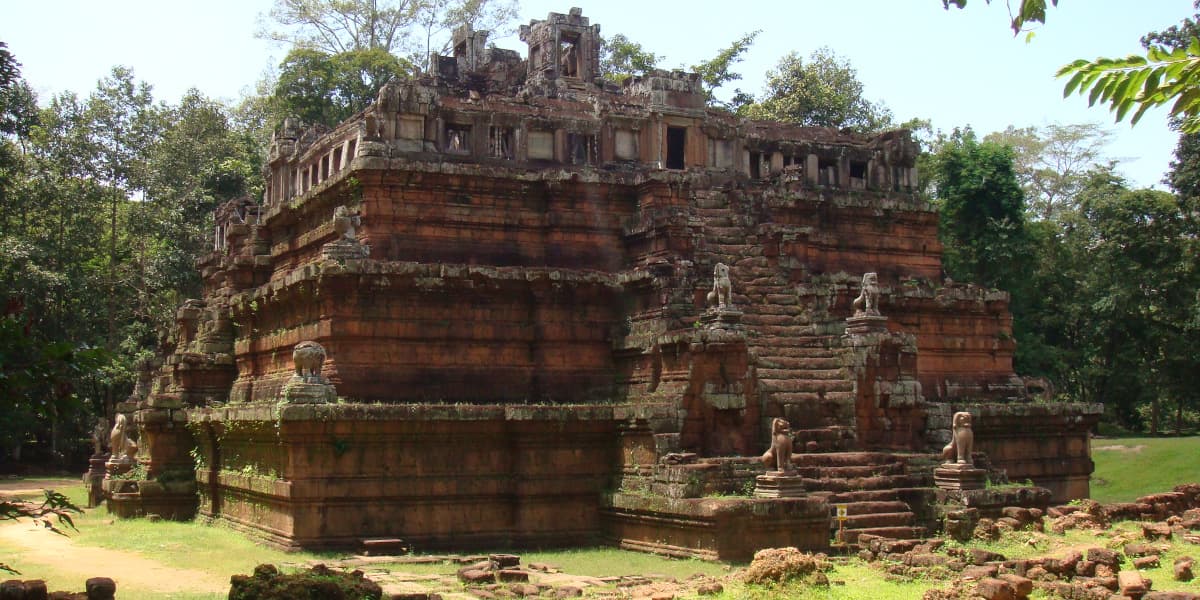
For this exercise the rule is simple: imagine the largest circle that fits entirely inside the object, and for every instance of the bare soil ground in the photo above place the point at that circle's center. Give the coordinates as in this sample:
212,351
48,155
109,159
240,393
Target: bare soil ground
42,546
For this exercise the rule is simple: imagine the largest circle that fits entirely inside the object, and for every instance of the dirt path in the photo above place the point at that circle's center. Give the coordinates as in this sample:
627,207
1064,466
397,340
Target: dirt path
34,487
129,570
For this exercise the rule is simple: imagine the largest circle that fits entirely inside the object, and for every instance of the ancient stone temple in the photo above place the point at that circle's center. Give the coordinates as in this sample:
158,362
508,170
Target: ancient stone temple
554,310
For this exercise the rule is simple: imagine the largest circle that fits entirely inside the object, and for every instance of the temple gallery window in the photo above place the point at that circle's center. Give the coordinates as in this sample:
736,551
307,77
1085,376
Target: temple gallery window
581,149
858,175
568,54
500,142
827,168
458,138
676,146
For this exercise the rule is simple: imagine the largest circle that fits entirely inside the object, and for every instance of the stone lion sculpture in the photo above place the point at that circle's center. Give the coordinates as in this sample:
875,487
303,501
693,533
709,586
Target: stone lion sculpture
308,357
867,302
963,441
779,454
721,295
345,222
100,433
122,447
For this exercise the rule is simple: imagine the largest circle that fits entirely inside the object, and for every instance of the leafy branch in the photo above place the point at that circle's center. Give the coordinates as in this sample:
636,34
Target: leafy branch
55,507
1144,82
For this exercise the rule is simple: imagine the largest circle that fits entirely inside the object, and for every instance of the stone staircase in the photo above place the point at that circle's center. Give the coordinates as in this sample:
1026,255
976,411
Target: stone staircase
873,485
800,370
802,377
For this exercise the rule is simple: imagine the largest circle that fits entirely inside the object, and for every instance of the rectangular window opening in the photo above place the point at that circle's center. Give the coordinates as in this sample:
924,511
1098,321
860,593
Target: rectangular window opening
500,142
858,174
581,149
676,146
755,165
458,139
828,171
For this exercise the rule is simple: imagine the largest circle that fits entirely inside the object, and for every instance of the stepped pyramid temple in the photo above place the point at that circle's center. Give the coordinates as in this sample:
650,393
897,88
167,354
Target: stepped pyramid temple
513,304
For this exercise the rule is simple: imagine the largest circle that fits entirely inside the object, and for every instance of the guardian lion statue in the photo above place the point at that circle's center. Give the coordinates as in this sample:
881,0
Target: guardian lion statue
779,454
345,223
122,447
963,441
309,357
867,302
721,295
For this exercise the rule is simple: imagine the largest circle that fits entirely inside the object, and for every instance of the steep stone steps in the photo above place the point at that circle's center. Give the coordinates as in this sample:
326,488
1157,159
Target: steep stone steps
794,384
810,374
799,369
870,485
851,471
793,363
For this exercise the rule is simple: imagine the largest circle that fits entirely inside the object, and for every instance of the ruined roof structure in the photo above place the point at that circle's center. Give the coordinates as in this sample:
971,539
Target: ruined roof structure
509,263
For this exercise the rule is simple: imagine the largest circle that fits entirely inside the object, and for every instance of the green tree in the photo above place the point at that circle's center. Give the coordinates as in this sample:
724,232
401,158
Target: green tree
822,92
716,72
982,210
1141,289
329,88
621,57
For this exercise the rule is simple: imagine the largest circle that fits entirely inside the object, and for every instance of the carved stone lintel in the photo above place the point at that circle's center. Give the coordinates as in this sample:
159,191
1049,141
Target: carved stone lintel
954,476
778,485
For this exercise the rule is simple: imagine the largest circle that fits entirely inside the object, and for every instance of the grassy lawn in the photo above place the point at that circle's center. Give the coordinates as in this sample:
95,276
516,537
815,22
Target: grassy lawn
1128,467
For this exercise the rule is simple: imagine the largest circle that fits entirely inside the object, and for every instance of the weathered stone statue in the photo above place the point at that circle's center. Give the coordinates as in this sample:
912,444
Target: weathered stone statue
345,222
963,441
99,436
124,449
309,357
721,295
308,386
867,302
779,454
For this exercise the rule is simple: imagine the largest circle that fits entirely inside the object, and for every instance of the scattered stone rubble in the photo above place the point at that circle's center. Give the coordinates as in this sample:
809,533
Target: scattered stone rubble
1096,573
97,588
787,564
267,583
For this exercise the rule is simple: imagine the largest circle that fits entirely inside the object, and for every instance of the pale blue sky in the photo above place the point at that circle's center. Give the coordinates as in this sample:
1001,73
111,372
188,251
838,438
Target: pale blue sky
954,67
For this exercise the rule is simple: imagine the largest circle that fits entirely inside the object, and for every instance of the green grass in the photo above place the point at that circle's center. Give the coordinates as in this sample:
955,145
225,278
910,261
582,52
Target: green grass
1147,465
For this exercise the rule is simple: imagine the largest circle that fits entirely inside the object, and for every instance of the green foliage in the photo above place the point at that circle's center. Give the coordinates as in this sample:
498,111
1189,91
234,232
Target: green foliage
328,88
1163,76
715,72
982,209
621,57
37,379
822,92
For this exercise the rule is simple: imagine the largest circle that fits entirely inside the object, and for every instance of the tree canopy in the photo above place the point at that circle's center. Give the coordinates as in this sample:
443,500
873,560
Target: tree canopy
822,91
